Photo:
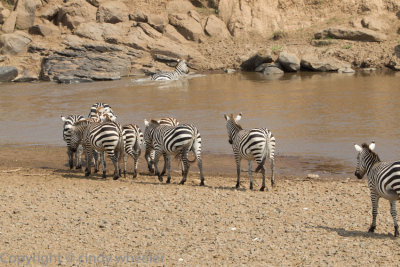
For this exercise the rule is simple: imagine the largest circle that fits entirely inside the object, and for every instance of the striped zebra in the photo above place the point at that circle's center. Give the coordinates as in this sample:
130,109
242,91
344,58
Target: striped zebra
177,141
74,158
102,108
102,137
256,144
383,181
149,153
133,138
180,69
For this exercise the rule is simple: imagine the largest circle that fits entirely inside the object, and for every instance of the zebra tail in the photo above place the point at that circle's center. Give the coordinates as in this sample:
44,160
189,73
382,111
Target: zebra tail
264,156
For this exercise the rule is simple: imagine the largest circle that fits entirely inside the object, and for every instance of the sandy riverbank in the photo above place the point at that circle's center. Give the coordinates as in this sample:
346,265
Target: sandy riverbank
52,214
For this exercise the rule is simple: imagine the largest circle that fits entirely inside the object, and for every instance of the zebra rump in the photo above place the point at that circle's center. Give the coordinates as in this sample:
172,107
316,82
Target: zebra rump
74,157
102,109
133,138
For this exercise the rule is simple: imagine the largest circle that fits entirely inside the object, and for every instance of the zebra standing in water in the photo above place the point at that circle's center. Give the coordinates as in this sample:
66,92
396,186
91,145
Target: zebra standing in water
102,108
149,154
256,144
103,137
383,181
133,138
175,140
180,69
73,157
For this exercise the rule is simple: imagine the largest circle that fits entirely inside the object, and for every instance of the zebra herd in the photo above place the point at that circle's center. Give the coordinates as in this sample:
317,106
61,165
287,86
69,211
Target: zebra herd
100,133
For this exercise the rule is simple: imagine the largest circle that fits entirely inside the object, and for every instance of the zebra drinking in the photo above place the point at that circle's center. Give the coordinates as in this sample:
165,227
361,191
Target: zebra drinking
180,69
133,138
103,137
175,140
256,144
149,154
102,109
383,181
74,158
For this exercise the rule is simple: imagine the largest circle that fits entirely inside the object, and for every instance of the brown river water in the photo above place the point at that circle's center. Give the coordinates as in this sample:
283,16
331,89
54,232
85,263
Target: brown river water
314,117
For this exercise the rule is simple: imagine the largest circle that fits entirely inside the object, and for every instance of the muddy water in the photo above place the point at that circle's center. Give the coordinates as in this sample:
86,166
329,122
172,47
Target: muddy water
311,115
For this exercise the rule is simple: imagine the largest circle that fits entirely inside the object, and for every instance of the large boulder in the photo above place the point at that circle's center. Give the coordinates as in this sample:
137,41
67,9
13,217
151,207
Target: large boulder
216,28
158,22
49,12
324,65
14,43
7,73
179,6
364,35
112,12
4,13
256,60
289,62
90,30
25,14
186,25
45,30
174,35
75,12
9,23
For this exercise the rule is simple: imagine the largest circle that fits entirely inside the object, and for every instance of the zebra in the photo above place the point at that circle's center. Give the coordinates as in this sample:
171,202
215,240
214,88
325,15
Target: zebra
102,108
68,122
103,137
256,144
383,181
175,140
133,138
180,69
149,153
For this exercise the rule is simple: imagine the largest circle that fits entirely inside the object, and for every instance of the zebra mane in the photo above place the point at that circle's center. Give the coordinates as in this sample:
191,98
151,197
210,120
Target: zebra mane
154,121
234,122
366,146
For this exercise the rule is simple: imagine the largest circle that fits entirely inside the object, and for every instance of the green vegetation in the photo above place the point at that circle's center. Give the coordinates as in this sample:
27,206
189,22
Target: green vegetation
276,48
276,35
348,46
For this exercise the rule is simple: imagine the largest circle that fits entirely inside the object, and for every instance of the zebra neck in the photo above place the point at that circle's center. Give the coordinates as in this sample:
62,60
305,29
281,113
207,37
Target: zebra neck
371,165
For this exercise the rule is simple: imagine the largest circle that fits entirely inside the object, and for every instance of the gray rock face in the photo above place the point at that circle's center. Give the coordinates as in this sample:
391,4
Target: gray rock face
323,65
25,14
364,35
112,12
216,28
256,60
7,74
289,62
272,69
13,43
86,63
187,26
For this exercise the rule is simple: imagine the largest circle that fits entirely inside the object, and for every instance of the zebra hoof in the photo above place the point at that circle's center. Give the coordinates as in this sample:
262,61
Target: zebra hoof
251,186
237,185
134,175
96,170
87,173
104,175
115,177
160,178
79,167
202,183
262,188
396,231
182,183
168,181
371,229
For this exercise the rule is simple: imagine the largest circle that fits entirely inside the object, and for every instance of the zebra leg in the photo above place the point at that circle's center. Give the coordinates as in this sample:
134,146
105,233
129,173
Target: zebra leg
263,179
251,174
103,161
272,164
238,161
70,158
135,164
186,167
125,159
89,157
113,155
96,161
375,203
156,158
394,215
197,152
78,156
167,164
200,165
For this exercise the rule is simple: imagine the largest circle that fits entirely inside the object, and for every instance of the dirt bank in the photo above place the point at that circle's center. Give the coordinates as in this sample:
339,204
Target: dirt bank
55,215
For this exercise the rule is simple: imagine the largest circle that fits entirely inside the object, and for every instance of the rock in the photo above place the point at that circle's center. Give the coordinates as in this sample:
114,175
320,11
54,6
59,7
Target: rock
158,22
3,58
289,62
9,23
25,14
255,60
44,30
187,26
14,43
138,39
90,30
325,64
179,6
312,176
75,12
373,23
138,16
112,12
26,76
150,31
346,70
89,62
272,69
216,28
4,14
322,42
7,73
394,64
49,12
171,33
229,71
364,35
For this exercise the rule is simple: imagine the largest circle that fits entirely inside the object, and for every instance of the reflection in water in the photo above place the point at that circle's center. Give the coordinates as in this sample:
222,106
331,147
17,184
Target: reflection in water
316,114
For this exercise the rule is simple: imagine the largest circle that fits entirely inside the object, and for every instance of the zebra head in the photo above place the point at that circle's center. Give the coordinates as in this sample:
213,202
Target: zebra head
182,67
232,126
77,134
365,159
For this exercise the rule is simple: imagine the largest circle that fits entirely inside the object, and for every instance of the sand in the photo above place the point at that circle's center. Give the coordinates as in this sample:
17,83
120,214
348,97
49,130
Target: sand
50,215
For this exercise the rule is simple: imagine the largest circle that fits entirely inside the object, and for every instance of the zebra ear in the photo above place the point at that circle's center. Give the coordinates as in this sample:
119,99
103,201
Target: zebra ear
358,148
226,117
238,117
146,122
63,118
372,146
